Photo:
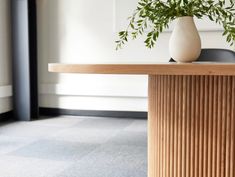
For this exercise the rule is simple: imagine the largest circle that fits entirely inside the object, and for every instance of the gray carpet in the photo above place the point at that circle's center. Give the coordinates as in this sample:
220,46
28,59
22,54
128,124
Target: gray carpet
74,147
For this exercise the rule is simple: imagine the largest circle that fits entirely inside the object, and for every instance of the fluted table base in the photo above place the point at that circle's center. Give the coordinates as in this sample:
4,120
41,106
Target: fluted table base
191,126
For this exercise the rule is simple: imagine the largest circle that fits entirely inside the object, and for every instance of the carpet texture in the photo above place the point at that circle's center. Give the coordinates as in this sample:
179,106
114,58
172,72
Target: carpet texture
74,147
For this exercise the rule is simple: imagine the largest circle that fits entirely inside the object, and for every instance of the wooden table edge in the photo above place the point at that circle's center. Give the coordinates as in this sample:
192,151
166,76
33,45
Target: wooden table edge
227,69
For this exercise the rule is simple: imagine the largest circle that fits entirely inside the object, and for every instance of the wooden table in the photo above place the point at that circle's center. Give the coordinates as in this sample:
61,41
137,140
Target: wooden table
191,116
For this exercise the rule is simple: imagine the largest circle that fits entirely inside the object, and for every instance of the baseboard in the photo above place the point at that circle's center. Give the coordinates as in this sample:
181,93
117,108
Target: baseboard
116,114
6,116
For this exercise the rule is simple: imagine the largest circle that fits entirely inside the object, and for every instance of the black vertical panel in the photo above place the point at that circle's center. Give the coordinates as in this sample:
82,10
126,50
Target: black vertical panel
24,61
32,17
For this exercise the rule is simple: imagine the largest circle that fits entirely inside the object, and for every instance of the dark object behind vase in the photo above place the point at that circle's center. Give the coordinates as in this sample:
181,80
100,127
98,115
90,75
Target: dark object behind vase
215,55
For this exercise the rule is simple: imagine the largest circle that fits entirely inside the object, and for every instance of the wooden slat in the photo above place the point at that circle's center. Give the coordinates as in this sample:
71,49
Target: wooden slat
153,69
191,126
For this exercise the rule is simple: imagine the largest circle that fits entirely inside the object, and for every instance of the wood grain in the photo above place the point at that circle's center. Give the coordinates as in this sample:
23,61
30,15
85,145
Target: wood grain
146,69
191,126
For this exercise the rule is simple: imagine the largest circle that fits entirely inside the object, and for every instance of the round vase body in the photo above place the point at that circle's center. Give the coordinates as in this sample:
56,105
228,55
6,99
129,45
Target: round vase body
185,42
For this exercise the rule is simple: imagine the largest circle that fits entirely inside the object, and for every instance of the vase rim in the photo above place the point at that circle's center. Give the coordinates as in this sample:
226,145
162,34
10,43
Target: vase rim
183,18
188,16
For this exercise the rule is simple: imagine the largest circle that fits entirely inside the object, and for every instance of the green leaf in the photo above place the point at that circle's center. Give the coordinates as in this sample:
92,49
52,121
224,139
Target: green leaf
156,15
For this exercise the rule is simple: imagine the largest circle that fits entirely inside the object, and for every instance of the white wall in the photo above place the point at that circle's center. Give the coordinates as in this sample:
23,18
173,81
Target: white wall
5,63
82,31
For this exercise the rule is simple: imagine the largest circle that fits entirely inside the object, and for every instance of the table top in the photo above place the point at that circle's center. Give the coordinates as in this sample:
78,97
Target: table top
227,69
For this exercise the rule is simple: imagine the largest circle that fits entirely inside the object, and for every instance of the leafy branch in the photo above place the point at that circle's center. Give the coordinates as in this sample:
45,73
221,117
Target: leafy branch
154,16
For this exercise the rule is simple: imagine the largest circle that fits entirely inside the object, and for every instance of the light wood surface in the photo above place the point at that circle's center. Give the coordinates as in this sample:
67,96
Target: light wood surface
191,126
191,122
155,69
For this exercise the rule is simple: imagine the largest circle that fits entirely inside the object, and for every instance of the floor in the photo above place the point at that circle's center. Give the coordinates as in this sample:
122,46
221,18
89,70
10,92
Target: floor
74,147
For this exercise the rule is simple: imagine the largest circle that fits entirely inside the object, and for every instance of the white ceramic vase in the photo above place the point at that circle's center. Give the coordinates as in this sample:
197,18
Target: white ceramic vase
185,42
